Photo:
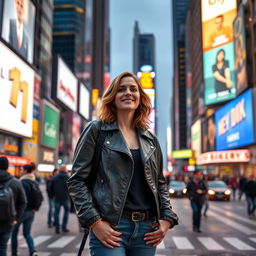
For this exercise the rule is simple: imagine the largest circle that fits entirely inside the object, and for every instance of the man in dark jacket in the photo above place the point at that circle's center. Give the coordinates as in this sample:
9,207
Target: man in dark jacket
196,191
250,192
20,202
59,191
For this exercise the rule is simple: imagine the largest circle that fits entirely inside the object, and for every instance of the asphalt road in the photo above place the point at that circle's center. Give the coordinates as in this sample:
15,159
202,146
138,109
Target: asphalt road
226,231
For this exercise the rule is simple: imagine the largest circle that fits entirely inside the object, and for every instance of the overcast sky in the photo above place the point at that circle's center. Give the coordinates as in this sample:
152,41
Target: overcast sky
154,16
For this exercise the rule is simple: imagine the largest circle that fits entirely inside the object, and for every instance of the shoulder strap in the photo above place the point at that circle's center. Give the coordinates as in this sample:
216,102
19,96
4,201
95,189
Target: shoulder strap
7,183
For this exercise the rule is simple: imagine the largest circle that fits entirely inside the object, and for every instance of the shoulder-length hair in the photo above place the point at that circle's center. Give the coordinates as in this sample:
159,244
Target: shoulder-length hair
107,111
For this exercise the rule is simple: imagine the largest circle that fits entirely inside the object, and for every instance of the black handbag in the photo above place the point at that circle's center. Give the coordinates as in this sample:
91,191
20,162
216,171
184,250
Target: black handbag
96,160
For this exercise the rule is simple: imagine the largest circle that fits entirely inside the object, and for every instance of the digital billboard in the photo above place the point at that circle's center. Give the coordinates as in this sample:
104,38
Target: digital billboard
19,25
16,93
196,133
67,86
84,102
218,50
234,123
240,52
208,134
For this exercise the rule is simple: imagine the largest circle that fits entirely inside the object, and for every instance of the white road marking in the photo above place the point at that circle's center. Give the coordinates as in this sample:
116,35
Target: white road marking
253,239
210,243
161,245
238,244
182,243
62,242
86,244
37,240
233,224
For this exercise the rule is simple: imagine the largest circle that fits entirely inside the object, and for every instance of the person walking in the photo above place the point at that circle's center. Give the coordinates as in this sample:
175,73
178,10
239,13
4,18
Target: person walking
242,182
126,204
34,197
58,190
196,191
233,183
250,192
12,204
206,198
50,215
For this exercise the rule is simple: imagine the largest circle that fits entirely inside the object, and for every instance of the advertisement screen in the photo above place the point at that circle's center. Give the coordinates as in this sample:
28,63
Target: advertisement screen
208,134
196,134
19,25
218,50
240,52
67,86
84,102
16,93
234,123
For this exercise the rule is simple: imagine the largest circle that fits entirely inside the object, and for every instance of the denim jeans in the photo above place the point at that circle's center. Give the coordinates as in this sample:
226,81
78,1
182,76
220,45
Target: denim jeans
5,233
27,220
50,211
57,206
133,243
251,204
196,208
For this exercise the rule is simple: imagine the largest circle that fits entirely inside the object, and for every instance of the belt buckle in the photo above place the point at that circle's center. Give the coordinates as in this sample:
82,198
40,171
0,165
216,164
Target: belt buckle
138,216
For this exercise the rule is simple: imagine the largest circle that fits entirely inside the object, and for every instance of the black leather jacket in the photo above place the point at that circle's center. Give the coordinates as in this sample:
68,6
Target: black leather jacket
107,197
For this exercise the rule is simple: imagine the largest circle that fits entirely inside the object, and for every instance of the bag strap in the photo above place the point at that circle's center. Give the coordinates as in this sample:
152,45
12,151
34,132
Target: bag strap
7,183
96,161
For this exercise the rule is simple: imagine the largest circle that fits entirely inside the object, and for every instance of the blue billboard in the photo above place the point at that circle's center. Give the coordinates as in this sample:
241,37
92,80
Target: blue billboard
234,123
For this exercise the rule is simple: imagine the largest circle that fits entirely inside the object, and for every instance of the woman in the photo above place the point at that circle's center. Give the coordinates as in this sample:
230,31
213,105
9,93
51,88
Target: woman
127,208
221,73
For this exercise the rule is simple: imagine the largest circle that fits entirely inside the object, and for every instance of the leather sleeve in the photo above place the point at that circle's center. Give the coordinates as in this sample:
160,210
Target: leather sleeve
78,186
166,212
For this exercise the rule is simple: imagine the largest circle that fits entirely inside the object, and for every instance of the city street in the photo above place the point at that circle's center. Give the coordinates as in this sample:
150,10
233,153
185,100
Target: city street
226,231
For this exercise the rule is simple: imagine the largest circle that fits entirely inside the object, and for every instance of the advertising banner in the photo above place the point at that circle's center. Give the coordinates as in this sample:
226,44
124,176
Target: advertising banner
50,127
208,134
67,86
16,93
240,52
234,123
9,145
18,27
218,50
84,102
76,130
196,134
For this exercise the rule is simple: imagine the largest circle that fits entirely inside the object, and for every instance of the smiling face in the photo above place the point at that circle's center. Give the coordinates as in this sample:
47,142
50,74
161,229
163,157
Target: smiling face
128,95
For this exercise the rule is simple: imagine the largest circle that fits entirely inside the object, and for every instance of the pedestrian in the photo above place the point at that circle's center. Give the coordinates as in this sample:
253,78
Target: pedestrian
34,197
206,198
250,192
50,215
125,205
59,192
233,183
196,191
242,182
12,203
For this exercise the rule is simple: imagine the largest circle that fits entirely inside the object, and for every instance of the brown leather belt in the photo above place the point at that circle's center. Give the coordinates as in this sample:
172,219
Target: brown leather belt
138,216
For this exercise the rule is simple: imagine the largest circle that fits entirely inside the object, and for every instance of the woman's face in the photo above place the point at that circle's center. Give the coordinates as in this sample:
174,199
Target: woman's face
220,56
128,95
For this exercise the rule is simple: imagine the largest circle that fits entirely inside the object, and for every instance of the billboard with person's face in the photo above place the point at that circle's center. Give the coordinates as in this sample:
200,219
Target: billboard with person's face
208,134
18,27
218,50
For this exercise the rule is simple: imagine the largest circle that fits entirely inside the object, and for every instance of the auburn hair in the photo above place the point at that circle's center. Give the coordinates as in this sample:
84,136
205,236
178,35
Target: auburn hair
107,111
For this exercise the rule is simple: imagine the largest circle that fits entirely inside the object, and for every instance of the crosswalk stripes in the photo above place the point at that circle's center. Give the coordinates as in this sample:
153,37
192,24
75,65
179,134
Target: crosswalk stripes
253,239
86,246
37,241
238,244
62,242
210,243
183,243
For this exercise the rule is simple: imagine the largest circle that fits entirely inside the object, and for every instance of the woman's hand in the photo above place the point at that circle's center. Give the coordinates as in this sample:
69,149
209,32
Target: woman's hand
156,237
106,234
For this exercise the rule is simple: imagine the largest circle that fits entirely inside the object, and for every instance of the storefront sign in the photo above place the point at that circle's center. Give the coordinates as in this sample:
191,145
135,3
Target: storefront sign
9,145
84,102
229,156
234,123
17,161
182,154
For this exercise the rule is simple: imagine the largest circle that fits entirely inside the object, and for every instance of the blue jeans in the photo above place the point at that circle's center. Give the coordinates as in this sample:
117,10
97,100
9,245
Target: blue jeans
251,204
50,210
27,220
133,243
196,208
5,233
57,206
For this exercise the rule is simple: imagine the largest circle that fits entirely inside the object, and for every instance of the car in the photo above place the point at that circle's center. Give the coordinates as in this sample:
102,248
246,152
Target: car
218,190
177,189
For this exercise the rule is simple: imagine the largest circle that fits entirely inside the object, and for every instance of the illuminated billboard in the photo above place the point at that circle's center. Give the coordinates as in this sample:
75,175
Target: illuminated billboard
208,134
218,50
18,27
84,102
196,137
240,52
234,123
67,86
16,93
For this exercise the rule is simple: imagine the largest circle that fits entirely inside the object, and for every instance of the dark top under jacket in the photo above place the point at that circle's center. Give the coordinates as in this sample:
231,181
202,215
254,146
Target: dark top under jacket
139,197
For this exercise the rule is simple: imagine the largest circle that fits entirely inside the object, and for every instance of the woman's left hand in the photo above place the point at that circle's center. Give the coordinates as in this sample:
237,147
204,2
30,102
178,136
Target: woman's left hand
156,237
